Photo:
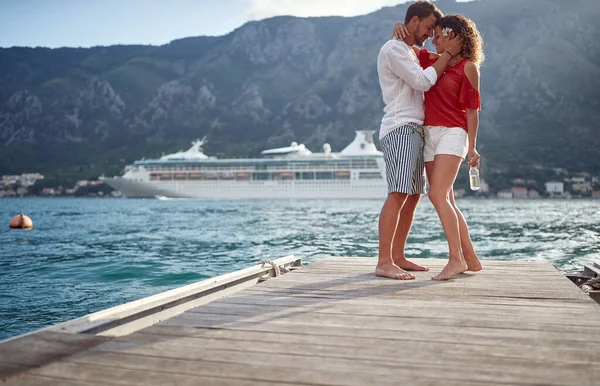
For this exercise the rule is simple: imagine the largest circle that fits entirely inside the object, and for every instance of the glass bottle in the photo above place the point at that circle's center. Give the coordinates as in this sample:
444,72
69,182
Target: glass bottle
474,178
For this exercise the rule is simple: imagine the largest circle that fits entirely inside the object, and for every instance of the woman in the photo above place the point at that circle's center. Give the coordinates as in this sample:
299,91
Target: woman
451,122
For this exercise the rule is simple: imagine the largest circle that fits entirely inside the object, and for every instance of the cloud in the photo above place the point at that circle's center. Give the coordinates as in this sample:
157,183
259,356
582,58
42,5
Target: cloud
261,9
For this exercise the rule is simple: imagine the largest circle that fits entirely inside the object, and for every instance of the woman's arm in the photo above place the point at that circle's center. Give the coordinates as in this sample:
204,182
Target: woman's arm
472,74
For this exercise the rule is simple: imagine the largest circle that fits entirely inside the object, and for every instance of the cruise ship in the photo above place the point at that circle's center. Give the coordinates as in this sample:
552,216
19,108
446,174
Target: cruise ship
358,171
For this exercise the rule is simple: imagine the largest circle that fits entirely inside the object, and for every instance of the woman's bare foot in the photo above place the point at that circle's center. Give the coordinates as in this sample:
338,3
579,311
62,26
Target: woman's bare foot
473,263
409,265
392,271
453,268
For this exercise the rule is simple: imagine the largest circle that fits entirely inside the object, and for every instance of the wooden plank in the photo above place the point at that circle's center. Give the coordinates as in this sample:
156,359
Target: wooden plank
381,344
257,372
577,317
579,304
404,332
578,309
34,380
366,321
415,291
358,337
404,363
38,349
414,348
8,370
106,375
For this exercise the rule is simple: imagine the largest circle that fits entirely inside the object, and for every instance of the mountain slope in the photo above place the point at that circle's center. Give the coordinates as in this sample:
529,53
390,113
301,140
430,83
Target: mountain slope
83,112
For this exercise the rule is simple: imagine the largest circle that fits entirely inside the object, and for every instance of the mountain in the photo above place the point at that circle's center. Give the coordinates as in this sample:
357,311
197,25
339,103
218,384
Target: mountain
78,113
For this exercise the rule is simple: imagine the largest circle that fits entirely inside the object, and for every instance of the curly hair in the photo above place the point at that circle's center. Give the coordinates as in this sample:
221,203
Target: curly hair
473,45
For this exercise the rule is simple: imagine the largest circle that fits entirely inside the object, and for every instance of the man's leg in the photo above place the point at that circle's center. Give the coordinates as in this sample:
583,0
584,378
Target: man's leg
442,173
407,214
388,221
466,244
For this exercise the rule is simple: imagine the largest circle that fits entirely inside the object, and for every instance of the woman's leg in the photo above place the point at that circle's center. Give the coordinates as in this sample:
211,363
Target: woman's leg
466,244
441,173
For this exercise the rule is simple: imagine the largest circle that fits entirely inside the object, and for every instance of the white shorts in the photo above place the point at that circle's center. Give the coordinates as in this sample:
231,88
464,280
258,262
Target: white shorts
445,140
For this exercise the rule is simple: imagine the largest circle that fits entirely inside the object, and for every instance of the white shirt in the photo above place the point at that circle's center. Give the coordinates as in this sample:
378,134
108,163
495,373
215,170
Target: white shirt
403,83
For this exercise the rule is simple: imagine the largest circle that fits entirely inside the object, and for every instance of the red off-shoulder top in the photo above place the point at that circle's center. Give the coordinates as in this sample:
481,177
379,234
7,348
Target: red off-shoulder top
446,102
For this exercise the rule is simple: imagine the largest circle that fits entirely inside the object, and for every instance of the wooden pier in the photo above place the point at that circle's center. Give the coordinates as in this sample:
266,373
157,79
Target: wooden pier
331,322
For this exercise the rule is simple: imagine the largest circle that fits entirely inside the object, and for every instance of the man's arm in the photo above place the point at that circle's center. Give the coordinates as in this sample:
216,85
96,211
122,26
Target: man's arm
454,47
440,65
403,66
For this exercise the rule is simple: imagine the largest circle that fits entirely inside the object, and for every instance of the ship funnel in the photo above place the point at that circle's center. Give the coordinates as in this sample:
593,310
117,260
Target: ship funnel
361,145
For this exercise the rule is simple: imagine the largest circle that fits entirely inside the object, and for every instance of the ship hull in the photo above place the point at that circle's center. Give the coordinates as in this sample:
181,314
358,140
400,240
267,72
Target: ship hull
349,189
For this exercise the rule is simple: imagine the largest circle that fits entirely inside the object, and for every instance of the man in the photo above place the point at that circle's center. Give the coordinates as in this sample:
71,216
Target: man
403,83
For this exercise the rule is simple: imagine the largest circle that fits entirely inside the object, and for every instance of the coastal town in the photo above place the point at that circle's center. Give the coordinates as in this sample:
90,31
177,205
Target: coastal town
581,185
577,185
29,184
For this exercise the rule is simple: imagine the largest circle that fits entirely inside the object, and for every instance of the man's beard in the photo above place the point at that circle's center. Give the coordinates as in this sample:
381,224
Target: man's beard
420,41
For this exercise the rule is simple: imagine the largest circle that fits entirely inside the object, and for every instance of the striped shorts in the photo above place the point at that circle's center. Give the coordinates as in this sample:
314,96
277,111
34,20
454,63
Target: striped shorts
403,155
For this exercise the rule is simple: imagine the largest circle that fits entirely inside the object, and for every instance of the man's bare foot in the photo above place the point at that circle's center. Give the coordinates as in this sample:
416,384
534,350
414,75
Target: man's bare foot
409,265
453,268
473,263
392,271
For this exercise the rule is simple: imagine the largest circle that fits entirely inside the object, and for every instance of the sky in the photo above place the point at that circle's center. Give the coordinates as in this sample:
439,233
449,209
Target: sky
87,23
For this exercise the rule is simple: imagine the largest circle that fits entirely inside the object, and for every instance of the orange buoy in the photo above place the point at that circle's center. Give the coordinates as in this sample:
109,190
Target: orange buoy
21,221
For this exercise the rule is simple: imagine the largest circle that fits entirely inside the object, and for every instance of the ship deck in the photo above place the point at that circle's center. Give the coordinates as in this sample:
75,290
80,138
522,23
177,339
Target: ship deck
333,322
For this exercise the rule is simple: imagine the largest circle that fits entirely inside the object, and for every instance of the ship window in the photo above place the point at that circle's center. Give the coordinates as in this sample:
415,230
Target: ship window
369,175
284,175
308,175
261,176
342,175
372,164
324,175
